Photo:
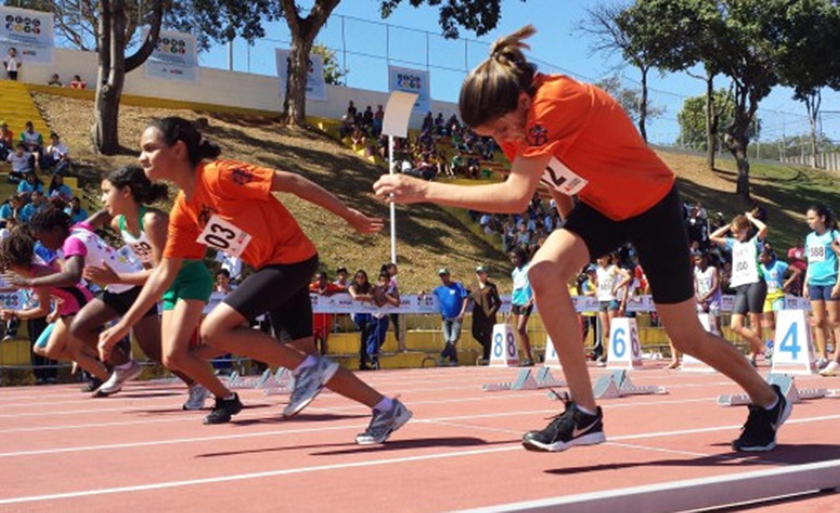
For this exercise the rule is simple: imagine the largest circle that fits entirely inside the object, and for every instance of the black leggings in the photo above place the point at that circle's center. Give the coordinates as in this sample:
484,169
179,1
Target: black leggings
281,291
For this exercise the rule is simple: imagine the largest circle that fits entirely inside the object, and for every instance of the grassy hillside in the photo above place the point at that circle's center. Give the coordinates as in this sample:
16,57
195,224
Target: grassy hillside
428,238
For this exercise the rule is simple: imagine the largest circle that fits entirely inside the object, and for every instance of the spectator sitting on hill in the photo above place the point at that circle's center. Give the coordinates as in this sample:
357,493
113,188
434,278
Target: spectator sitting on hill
378,118
30,184
36,203
351,111
55,81
459,163
21,162
7,140
367,117
440,124
10,209
428,123
12,64
75,211
77,83
358,137
57,189
33,140
56,157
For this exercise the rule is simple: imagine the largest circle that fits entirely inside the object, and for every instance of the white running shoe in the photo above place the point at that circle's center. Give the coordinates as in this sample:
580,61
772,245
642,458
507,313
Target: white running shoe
118,379
197,395
309,382
832,369
384,423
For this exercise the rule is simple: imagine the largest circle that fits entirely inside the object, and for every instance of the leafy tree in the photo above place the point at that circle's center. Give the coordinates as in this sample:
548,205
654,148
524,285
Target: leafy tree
808,60
221,20
629,31
333,73
693,123
630,99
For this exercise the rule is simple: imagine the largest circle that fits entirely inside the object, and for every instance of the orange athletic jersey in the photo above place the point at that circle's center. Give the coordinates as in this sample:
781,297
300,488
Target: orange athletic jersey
240,195
597,153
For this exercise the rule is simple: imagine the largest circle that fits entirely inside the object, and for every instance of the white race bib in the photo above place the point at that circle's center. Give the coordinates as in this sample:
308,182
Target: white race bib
224,236
143,250
559,177
816,254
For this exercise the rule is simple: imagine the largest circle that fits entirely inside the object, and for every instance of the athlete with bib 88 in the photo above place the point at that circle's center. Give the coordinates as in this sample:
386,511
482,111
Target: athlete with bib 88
576,140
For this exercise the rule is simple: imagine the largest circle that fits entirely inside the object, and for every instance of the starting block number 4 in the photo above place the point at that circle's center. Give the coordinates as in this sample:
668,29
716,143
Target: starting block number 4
504,352
624,350
794,350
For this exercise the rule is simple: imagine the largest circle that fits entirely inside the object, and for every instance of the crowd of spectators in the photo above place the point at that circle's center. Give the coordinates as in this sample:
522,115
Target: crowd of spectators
442,148
527,230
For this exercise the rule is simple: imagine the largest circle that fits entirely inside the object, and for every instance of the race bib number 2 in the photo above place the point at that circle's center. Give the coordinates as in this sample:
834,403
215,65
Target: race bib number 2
224,236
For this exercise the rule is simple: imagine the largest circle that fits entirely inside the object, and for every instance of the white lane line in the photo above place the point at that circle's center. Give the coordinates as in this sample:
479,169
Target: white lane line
376,462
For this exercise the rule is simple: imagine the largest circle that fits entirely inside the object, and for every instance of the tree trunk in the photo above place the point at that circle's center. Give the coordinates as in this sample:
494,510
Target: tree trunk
739,150
294,105
711,122
812,104
643,106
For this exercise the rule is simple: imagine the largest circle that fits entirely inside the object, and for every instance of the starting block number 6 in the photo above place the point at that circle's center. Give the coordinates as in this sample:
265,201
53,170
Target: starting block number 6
624,348
619,342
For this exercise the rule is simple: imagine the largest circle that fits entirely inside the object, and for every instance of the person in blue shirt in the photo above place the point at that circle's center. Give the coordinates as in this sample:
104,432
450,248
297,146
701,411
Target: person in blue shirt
522,300
822,281
75,211
453,299
10,210
775,271
57,189
30,184
35,204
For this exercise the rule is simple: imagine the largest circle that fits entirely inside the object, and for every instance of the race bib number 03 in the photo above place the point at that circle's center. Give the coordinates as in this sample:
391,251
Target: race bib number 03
224,236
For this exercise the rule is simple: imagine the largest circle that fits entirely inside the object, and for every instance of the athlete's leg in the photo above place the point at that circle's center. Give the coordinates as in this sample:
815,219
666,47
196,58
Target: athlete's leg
522,330
559,258
85,329
818,311
178,327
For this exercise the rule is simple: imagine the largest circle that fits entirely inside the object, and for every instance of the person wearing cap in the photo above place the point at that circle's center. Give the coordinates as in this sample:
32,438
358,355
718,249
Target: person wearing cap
486,302
453,299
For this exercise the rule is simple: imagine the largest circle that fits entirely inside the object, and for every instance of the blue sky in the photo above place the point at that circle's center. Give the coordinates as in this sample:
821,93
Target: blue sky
557,46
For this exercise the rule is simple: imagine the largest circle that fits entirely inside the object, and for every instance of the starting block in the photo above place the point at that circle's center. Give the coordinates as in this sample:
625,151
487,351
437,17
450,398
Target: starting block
617,384
526,380
169,380
281,383
788,387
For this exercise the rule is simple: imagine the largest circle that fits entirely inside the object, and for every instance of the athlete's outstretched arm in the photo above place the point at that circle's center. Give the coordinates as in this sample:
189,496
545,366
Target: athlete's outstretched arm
312,192
70,275
161,278
155,225
510,196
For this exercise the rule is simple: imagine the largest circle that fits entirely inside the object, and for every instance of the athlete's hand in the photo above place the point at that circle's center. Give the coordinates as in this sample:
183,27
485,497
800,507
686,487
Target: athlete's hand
835,291
7,315
101,275
109,338
364,224
16,280
400,189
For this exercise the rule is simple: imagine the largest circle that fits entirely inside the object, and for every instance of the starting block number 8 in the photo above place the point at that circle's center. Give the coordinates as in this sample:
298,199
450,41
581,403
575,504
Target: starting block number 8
505,353
624,352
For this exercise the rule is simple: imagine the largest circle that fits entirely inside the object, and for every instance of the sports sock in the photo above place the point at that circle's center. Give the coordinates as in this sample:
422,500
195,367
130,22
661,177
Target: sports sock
231,397
125,366
309,361
384,405
768,408
584,410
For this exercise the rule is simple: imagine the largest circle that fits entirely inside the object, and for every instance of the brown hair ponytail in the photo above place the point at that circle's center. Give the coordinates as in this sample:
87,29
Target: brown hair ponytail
492,89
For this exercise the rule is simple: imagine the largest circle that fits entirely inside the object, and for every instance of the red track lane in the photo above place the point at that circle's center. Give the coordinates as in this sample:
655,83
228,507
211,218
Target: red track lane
59,448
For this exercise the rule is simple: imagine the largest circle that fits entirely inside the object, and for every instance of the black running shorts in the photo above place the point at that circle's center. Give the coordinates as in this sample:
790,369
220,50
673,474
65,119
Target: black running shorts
660,239
281,291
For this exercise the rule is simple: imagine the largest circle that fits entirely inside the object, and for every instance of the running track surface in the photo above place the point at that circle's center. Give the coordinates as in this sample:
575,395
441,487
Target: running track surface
61,449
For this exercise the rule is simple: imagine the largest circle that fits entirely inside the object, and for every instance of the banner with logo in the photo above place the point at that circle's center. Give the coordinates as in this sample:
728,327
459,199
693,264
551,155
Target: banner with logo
175,57
29,32
316,85
412,81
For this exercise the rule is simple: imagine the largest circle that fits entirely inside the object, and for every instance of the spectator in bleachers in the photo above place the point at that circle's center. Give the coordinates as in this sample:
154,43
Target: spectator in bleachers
75,211
322,323
232,264
77,83
428,124
362,290
55,81
486,303
21,161
440,125
56,157
7,140
697,226
29,184
351,111
10,209
341,280
358,137
36,203
33,140
367,117
12,64
378,118
453,299
57,189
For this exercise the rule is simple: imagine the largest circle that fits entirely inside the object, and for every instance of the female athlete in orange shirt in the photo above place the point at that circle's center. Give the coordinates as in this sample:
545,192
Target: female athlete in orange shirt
229,206
576,140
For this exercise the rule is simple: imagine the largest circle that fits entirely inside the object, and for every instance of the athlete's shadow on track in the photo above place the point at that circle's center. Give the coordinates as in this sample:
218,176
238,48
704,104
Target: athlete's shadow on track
352,448
278,418
793,454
